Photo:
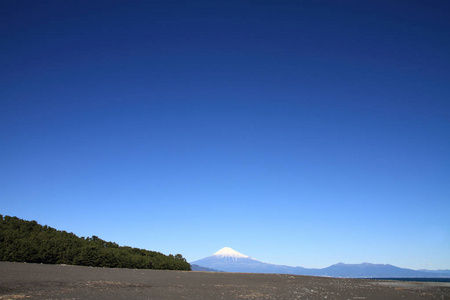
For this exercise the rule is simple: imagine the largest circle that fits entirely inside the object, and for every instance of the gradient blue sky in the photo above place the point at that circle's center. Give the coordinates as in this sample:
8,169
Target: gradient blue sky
303,133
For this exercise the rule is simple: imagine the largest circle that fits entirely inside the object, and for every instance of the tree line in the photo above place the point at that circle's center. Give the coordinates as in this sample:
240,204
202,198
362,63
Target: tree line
28,241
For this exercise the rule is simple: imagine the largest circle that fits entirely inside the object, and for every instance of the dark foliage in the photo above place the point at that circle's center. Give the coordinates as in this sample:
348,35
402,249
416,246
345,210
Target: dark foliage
27,241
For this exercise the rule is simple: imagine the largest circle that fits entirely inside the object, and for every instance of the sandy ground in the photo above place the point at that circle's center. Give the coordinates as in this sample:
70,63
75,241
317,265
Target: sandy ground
36,281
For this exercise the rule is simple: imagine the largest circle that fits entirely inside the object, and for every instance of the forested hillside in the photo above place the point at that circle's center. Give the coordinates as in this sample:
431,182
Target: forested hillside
27,241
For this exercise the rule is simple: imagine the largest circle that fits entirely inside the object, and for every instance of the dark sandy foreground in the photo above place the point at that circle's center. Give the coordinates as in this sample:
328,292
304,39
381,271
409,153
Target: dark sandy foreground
35,281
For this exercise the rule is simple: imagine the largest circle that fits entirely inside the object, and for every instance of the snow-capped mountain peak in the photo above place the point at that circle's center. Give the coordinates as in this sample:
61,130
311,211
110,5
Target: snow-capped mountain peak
229,252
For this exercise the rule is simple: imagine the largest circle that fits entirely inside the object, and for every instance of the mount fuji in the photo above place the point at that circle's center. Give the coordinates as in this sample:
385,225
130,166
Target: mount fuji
229,260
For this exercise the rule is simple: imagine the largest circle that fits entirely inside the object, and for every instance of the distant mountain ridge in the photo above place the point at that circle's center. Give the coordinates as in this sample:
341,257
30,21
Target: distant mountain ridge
368,270
229,260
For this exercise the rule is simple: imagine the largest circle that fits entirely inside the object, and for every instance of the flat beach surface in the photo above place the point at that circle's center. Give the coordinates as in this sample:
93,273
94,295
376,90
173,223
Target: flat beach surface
36,281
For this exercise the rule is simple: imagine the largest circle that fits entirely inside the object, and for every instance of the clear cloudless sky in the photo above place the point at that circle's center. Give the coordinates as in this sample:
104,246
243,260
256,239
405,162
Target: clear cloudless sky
303,133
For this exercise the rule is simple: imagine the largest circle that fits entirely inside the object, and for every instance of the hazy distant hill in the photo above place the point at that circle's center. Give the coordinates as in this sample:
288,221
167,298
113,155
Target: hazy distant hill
446,272
230,260
200,268
370,270
27,241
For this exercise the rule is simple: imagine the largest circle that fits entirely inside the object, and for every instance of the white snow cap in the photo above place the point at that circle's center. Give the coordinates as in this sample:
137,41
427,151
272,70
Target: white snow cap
227,251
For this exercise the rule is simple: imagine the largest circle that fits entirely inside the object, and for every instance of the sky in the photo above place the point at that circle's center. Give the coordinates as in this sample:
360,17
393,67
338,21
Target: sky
303,133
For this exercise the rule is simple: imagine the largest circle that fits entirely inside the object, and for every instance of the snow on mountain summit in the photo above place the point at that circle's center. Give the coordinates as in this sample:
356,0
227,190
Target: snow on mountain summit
229,252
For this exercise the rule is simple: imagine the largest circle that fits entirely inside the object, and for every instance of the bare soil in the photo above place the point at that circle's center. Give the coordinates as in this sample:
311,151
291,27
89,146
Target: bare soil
36,281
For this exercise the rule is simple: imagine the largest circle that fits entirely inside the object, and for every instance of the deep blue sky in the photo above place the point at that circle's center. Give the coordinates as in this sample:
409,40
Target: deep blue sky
297,132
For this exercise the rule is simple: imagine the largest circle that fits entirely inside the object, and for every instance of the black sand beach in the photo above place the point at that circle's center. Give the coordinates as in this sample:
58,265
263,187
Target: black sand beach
36,281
